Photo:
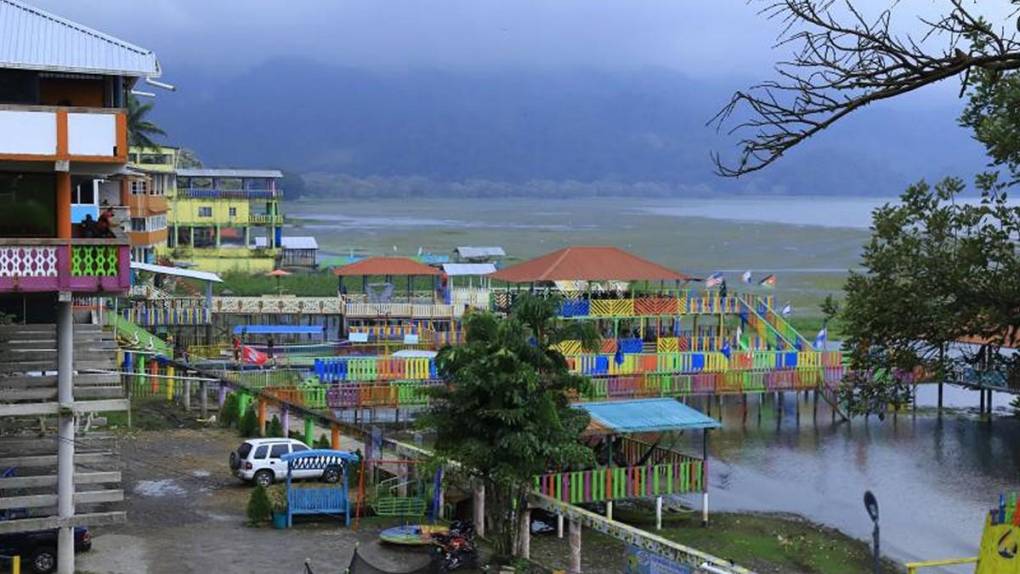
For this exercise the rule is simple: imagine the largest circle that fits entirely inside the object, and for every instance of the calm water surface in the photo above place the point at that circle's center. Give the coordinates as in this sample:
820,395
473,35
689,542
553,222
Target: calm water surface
934,477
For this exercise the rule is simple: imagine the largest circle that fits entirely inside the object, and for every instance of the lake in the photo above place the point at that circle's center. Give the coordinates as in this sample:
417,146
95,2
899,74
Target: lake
934,477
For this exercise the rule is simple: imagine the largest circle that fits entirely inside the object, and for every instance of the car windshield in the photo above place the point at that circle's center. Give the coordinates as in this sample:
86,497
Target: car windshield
243,450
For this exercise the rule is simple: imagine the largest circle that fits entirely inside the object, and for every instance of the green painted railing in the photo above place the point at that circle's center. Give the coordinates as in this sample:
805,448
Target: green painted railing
603,484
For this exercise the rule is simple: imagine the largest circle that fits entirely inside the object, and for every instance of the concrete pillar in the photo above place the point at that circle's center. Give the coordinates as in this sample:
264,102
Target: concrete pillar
203,391
262,410
65,444
609,510
658,513
309,431
187,394
574,566
285,413
525,534
559,526
334,439
479,509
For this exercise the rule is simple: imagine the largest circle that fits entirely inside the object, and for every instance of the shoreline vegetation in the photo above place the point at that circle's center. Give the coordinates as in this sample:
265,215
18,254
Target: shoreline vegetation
768,543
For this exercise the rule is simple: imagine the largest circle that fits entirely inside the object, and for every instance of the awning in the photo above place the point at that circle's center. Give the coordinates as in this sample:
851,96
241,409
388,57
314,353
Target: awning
279,330
176,272
465,269
644,415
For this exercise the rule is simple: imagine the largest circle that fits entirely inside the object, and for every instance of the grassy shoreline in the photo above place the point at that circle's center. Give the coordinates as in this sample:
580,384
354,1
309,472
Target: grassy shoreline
768,543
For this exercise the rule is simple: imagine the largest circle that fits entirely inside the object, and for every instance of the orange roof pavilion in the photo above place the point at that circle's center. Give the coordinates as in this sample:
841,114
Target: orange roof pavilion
588,263
382,266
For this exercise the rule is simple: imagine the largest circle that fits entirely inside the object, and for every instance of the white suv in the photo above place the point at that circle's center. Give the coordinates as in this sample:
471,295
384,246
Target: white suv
258,460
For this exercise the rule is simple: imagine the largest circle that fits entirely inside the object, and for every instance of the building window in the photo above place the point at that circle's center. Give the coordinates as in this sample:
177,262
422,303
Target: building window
205,211
137,224
233,212
138,187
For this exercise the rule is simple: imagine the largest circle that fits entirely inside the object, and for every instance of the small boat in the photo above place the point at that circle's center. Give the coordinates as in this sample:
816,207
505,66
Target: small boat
412,534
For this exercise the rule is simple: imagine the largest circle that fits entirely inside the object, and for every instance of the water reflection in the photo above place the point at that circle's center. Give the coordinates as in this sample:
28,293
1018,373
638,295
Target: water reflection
934,476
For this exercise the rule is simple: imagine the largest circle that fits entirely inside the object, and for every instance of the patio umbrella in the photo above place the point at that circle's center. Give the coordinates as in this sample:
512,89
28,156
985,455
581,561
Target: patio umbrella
278,273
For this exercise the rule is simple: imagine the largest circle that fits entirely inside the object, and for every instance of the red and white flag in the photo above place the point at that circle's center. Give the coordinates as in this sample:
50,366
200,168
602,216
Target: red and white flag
253,355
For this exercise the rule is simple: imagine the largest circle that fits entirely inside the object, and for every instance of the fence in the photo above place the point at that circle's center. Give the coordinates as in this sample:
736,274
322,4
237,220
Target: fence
604,484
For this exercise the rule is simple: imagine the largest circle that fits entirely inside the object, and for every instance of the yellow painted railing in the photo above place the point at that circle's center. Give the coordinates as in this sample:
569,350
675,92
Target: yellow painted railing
914,567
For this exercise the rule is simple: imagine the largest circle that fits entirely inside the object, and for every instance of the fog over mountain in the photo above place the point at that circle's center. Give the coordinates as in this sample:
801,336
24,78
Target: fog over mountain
515,126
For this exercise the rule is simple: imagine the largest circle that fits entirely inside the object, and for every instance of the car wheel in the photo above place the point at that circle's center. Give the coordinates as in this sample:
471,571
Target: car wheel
264,478
234,463
44,560
331,475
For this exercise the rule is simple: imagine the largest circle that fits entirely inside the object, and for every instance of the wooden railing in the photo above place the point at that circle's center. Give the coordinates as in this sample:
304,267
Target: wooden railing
617,483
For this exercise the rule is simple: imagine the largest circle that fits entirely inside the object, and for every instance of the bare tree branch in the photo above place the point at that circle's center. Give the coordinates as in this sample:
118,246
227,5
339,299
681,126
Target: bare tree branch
841,63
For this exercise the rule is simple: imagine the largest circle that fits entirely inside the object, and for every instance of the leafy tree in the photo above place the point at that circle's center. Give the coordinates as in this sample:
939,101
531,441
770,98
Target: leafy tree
842,58
140,129
188,159
505,415
935,272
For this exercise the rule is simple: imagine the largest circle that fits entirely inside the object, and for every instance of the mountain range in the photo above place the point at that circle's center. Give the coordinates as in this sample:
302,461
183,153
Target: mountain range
524,131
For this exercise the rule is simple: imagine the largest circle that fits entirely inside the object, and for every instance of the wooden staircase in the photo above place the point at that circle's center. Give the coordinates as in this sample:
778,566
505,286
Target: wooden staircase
29,407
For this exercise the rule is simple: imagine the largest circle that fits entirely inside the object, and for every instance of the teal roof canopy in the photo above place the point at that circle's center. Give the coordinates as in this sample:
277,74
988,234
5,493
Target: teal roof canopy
645,415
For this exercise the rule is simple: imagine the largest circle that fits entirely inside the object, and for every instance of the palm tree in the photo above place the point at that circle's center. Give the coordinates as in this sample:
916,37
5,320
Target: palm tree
140,129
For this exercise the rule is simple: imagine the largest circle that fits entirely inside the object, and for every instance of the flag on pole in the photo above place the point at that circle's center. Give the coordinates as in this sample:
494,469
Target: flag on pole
768,281
746,277
253,355
787,310
714,280
821,338
726,349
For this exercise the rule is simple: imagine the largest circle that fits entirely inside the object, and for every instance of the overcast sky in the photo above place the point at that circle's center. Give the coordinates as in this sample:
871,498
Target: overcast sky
700,38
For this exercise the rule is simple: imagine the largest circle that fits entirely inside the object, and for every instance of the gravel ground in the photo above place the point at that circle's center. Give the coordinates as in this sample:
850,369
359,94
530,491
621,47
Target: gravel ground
186,514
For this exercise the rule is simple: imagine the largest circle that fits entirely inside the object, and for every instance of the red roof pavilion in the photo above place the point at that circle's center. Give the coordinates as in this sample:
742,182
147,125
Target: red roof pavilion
588,263
382,266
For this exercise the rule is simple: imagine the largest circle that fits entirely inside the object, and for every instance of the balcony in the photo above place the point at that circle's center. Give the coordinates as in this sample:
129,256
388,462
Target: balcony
265,219
74,265
43,133
214,193
146,205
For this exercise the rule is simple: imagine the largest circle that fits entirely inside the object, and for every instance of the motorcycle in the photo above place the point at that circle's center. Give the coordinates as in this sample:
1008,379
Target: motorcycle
456,548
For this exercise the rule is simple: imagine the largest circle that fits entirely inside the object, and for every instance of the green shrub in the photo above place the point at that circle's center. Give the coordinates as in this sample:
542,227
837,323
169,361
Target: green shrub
323,442
259,507
249,426
228,412
275,428
277,494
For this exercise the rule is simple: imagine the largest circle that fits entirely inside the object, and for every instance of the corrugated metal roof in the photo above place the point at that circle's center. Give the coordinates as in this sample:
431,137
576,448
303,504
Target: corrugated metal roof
459,269
474,252
292,242
588,264
176,272
645,415
206,172
32,39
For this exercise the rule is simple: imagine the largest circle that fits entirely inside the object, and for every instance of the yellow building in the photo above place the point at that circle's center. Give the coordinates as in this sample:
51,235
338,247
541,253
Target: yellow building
226,219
